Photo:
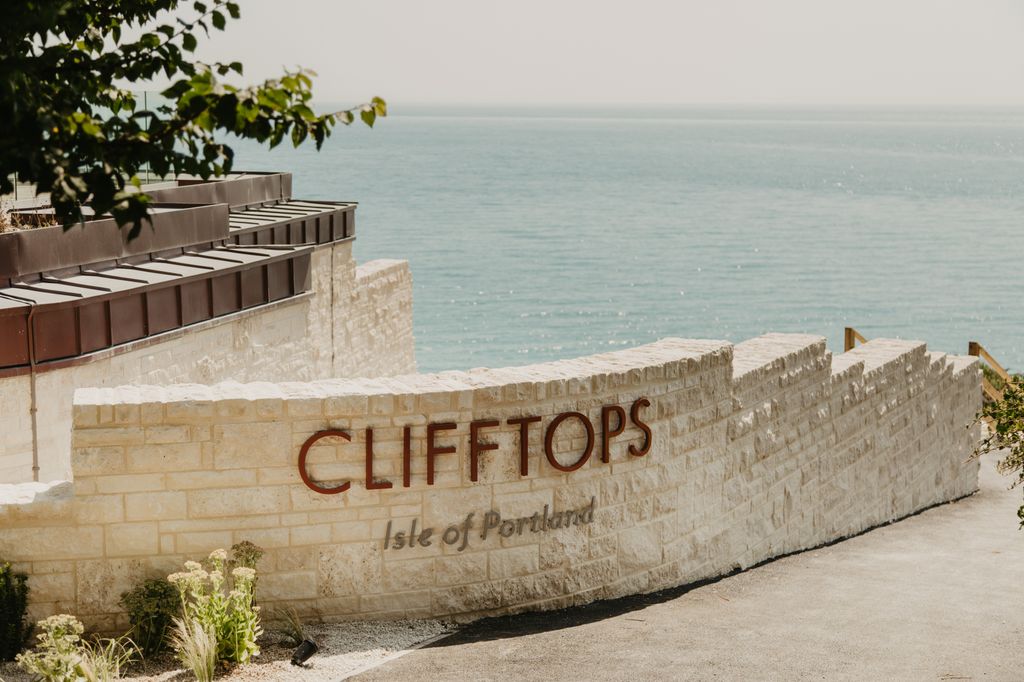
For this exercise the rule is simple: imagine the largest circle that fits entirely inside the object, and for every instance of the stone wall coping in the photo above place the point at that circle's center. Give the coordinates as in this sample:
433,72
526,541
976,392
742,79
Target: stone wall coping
879,354
613,363
751,359
32,492
379,266
754,356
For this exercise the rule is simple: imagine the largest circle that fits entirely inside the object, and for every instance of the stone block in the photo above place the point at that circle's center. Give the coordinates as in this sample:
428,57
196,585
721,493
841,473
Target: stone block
319,534
288,586
349,570
99,584
208,503
229,478
100,509
513,561
94,461
639,548
461,568
56,542
131,539
407,574
252,445
164,457
157,506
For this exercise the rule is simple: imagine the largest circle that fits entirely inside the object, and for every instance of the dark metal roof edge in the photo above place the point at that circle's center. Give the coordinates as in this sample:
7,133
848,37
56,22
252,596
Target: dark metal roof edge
129,346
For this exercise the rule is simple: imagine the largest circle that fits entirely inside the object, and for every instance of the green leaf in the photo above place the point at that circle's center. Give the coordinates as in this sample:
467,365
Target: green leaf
69,129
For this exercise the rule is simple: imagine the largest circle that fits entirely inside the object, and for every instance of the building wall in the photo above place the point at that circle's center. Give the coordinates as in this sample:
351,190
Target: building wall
757,449
370,307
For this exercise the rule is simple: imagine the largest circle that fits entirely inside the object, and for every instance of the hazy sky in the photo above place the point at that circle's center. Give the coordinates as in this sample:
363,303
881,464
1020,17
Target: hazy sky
807,52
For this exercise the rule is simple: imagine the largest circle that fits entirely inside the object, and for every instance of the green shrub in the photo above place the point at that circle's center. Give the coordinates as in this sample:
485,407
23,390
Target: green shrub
59,652
227,612
1007,434
996,380
151,608
245,554
63,656
14,631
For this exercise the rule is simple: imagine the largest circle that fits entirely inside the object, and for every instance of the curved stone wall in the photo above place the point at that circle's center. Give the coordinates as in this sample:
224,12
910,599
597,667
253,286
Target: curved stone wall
639,469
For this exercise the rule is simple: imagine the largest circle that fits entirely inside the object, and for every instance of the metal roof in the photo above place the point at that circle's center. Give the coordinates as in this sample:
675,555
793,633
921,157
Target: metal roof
238,243
84,312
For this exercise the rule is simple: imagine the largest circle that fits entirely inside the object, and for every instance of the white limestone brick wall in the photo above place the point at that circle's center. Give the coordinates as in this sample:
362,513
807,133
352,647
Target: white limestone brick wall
285,341
757,449
375,337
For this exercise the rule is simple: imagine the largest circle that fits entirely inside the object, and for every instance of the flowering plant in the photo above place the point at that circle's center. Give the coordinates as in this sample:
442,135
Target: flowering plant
63,656
226,610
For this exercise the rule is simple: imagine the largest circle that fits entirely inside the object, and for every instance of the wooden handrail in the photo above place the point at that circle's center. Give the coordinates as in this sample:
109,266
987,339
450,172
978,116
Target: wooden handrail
850,338
976,349
990,392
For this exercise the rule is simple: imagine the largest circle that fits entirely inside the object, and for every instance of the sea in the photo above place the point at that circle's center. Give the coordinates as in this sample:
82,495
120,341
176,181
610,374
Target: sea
536,234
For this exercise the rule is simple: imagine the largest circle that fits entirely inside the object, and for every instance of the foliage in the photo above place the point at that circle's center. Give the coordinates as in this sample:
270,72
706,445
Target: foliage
291,627
996,379
104,659
61,654
71,127
196,647
1007,434
151,607
229,614
245,554
58,654
14,631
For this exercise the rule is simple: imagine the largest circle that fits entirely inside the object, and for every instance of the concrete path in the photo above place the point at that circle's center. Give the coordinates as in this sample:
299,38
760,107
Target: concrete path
938,596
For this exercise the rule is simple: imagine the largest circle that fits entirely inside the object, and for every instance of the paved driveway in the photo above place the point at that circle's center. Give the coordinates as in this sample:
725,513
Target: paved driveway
938,596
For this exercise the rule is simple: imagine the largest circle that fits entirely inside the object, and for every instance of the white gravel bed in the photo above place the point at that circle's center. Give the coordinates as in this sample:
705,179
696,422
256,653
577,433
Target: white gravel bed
345,649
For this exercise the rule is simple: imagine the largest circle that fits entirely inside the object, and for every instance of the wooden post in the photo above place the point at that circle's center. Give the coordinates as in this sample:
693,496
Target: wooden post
849,341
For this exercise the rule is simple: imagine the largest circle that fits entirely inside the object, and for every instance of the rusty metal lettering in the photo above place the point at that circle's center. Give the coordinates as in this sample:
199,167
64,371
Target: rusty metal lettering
371,482
607,433
476,447
549,438
634,415
304,473
524,442
434,450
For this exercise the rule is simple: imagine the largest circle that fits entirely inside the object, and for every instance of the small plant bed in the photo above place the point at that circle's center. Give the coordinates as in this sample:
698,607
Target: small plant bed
345,648
12,221
203,623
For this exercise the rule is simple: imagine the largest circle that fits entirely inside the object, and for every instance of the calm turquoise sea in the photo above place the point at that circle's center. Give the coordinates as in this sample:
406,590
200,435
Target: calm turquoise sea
542,234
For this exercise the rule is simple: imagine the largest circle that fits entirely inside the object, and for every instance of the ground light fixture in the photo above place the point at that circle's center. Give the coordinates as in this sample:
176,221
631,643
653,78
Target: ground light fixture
304,652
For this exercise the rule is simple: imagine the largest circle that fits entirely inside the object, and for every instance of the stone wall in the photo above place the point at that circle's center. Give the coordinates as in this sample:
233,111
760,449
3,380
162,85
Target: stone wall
755,450
332,332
